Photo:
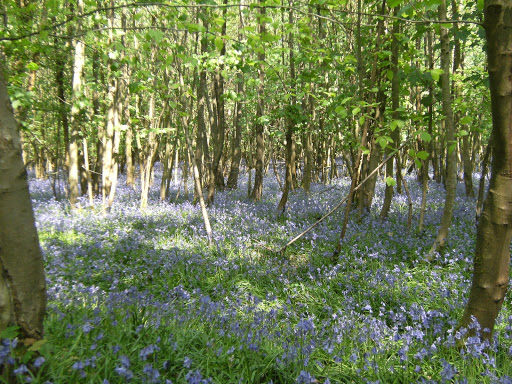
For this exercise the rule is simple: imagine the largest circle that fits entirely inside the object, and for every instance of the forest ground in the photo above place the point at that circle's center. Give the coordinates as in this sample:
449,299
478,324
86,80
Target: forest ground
139,296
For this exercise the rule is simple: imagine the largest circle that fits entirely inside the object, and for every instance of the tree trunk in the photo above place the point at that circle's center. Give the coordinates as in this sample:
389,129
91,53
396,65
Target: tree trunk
290,127
74,134
257,190
236,149
395,103
451,166
108,160
149,153
22,281
483,175
492,253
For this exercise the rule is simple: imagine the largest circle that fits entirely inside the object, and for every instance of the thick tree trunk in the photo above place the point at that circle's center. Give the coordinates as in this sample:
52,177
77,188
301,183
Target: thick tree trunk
22,280
492,253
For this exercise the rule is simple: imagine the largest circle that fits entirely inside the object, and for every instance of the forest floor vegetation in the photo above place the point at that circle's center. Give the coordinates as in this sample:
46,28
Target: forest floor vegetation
139,296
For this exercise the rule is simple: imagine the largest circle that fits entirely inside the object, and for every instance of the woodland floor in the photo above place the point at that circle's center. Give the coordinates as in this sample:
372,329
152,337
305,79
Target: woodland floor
140,297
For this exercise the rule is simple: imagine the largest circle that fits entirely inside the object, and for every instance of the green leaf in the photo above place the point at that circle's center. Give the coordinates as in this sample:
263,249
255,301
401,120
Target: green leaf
27,357
37,345
341,110
480,5
452,147
10,332
362,119
463,132
219,43
394,3
156,35
32,66
465,120
219,21
382,142
435,73
355,111
396,123
423,155
418,163
389,75
390,181
425,136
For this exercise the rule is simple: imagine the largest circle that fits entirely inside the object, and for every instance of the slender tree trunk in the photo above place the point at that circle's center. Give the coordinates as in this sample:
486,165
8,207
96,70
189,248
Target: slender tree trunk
483,175
492,253
216,174
257,190
451,166
290,126
87,170
308,147
170,150
236,150
74,137
149,152
126,116
108,160
22,281
395,104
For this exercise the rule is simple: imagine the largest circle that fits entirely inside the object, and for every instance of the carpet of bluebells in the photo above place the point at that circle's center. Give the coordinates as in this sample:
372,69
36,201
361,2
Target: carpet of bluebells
140,297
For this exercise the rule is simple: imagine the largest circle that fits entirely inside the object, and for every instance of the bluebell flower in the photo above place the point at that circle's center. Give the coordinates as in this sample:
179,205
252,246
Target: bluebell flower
39,361
124,372
21,370
305,378
194,377
448,371
78,365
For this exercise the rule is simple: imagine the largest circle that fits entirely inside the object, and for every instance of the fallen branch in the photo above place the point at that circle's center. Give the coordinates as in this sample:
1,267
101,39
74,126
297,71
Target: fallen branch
390,156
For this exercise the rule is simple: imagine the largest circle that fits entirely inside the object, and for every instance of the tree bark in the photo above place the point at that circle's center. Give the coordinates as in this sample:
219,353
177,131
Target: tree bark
395,103
74,134
236,150
22,279
451,163
257,190
492,253
290,127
